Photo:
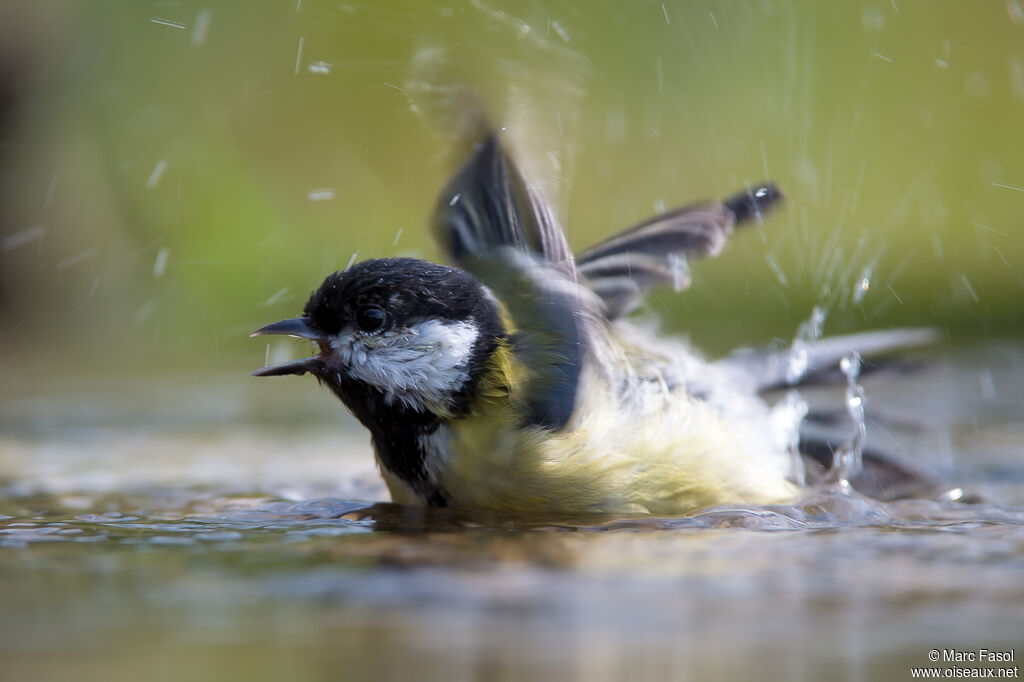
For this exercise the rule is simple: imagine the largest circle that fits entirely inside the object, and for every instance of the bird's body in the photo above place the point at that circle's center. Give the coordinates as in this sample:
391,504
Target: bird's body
513,383
637,442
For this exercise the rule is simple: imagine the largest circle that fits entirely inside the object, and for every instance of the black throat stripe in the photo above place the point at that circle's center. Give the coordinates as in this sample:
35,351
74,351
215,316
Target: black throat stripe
397,433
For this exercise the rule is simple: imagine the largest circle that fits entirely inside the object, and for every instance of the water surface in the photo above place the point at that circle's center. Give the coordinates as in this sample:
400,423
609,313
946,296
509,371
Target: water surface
187,543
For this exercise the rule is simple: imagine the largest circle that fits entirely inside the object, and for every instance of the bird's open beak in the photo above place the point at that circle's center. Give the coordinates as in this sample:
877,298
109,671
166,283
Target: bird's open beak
300,329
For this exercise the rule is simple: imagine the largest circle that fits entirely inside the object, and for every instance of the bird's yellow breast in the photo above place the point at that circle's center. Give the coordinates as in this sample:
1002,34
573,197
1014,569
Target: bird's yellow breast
667,454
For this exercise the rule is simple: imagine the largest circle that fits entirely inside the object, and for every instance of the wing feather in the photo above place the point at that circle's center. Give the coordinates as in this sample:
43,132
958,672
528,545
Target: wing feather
487,205
493,225
625,267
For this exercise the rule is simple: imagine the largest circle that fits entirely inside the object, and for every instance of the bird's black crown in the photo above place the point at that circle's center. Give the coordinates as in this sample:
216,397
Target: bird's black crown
405,290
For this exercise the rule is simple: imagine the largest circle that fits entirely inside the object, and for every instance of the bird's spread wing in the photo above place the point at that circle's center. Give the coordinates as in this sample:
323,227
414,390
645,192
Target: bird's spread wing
625,267
487,206
492,224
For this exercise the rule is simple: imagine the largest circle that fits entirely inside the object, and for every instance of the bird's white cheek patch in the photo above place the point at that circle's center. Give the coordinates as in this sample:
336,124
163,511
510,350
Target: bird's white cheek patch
420,367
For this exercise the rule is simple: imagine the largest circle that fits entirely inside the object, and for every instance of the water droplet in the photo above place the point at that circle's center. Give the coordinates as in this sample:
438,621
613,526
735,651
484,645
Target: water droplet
977,85
1015,67
777,270
953,495
809,330
848,458
158,172
849,365
144,313
50,190
200,28
168,23
797,365
860,289
298,55
160,264
680,271
276,296
969,288
323,194
872,20
22,237
79,257
560,30
1013,8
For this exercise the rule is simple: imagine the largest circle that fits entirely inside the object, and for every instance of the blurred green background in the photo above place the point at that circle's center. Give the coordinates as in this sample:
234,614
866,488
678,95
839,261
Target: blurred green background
175,174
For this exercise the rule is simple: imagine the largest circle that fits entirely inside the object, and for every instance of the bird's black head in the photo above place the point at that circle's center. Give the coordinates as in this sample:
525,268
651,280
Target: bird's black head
396,334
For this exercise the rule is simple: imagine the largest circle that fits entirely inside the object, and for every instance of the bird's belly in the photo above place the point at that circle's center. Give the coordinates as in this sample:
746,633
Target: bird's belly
670,462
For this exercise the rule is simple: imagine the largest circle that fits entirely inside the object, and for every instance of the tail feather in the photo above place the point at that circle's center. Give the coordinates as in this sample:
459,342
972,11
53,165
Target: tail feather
770,368
883,476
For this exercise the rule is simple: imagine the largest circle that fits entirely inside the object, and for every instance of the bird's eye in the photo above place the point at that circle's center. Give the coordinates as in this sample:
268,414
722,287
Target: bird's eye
370,318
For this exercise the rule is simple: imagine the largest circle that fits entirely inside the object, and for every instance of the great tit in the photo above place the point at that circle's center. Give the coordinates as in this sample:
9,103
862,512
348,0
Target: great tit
511,381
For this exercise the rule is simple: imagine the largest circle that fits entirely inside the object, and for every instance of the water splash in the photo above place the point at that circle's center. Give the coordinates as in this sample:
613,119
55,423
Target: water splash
848,457
799,356
787,415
